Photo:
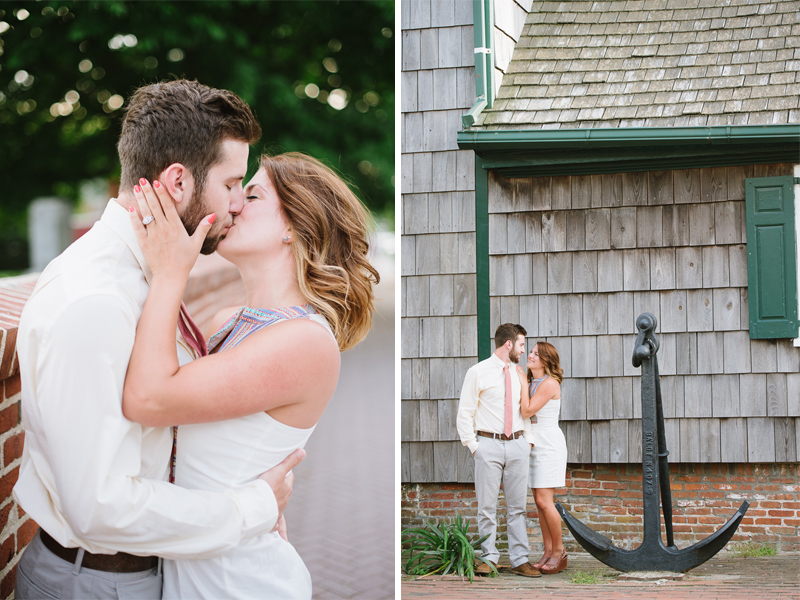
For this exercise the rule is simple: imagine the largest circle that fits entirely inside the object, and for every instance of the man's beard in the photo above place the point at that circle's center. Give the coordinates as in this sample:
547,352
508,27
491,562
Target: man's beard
513,356
195,212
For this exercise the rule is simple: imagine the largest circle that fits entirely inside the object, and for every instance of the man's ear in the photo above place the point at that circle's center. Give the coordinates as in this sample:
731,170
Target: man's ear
178,181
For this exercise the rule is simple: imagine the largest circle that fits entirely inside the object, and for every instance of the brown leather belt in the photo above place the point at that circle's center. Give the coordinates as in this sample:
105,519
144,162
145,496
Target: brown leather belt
500,436
110,563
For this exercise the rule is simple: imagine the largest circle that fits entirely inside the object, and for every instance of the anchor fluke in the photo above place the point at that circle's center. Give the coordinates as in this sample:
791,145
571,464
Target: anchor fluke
649,556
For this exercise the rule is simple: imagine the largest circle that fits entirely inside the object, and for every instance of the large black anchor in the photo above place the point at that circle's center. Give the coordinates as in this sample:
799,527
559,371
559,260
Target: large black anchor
652,554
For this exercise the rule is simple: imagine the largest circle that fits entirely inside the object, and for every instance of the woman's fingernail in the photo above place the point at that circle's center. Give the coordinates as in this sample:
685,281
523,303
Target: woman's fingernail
212,218
143,181
156,184
130,209
137,189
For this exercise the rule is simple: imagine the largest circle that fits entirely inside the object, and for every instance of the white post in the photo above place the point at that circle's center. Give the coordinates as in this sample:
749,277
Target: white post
49,230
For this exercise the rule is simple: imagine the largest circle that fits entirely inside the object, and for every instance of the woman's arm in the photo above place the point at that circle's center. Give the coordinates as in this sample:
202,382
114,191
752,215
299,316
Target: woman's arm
267,370
546,391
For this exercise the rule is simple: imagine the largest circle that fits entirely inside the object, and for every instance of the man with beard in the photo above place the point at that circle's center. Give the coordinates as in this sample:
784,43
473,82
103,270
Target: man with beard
96,483
490,424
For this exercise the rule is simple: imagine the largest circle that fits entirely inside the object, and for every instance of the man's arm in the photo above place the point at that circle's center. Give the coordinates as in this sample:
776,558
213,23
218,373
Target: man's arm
95,453
467,405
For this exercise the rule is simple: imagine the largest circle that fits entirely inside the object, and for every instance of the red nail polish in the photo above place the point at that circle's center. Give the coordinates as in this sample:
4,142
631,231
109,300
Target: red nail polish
130,209
156,184
143,181
212,218
137,189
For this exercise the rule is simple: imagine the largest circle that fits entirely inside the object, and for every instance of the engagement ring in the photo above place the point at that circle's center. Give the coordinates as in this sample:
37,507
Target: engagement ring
148,219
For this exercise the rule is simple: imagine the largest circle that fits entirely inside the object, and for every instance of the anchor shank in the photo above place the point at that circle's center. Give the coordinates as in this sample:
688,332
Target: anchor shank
663,460
650,462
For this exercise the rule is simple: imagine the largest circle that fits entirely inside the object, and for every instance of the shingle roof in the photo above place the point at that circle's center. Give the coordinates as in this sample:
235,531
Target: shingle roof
652,63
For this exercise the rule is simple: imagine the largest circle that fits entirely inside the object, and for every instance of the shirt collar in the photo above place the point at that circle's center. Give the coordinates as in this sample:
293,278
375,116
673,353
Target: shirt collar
496,360
116,218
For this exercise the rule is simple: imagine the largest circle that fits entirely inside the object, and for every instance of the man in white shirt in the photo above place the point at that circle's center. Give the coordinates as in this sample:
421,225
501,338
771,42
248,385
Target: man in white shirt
490,424
95,482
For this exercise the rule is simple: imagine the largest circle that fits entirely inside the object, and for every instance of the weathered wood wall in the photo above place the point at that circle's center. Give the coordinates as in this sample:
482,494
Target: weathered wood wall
438,301
576,259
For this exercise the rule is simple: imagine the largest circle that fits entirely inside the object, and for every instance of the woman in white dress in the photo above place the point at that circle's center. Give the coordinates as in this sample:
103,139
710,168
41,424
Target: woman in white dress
300,243
548,466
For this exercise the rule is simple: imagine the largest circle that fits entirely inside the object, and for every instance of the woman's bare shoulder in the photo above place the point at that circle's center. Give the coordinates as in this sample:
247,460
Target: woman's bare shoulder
551,386
219,319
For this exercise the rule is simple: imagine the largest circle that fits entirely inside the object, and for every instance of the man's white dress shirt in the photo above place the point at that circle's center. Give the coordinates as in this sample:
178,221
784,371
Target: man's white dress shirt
483,402
90,477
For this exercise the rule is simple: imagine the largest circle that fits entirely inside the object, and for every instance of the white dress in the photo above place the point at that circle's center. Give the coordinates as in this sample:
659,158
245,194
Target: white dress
548,464
226,454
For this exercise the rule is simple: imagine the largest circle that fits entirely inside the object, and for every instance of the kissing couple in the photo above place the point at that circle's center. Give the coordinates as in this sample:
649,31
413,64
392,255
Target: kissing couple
150,453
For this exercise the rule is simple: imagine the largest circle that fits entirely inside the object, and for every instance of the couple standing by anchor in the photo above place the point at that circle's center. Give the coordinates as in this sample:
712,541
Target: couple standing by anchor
508,418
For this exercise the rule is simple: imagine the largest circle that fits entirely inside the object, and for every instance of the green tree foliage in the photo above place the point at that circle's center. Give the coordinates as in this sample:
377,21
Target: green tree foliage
318,74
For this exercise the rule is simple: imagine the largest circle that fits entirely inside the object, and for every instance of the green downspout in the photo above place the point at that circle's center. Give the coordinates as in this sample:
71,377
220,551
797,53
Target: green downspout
482,259
483,16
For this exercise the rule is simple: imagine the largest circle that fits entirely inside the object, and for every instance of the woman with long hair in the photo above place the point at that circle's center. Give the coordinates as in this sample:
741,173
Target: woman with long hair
548,466
300,244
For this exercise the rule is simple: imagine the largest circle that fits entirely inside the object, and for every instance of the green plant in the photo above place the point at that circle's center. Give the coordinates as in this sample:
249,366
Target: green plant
445,548
750,550
589,577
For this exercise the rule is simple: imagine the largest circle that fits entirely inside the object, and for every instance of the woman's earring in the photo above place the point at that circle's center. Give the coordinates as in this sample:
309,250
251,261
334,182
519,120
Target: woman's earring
286,239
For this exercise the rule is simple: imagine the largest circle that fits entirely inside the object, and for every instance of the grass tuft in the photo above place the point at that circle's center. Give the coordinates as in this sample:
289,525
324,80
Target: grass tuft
751,550
589,577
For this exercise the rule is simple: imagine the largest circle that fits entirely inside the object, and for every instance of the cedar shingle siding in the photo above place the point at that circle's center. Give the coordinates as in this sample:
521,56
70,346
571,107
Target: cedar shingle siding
652,63
575,258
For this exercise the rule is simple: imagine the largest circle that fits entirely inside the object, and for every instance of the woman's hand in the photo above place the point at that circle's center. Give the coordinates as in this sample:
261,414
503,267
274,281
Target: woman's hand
166,246
523,378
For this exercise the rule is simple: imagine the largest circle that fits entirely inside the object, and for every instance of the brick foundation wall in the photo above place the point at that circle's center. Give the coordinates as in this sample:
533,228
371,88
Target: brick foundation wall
608,498
213,284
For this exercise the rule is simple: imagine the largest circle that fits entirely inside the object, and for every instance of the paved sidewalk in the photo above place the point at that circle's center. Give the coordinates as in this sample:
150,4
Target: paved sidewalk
721,578
341,514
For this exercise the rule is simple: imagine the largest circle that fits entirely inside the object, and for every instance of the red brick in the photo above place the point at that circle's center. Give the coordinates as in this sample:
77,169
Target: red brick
4,512
9,418
12,448
7,585
780,513
7,549
25,533
13,386
7,361
7,482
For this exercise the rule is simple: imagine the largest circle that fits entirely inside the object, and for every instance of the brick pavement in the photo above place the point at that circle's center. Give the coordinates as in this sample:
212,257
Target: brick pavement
722,578
341,514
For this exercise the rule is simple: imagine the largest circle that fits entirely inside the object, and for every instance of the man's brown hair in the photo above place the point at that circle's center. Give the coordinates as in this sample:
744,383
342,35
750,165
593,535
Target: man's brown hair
182,122
508,332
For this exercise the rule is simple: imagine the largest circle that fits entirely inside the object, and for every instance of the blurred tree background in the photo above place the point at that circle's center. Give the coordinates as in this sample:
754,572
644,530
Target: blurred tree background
318,74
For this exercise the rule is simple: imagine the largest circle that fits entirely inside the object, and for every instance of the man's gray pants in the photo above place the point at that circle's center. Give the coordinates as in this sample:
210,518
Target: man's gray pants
506,462
41,574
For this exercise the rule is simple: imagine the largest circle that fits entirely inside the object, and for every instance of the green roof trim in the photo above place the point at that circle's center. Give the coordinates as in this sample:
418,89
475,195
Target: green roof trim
488,140
548,152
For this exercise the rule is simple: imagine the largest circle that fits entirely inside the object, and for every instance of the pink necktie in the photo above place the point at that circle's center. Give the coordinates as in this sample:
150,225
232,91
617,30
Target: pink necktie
191,332
508,416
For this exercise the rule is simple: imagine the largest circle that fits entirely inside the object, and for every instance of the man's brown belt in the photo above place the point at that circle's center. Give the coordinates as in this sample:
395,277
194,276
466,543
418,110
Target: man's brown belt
110,563
499,436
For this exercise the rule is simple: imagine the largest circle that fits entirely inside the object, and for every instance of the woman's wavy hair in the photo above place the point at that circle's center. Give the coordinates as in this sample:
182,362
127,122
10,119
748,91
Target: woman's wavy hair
330,242
550,360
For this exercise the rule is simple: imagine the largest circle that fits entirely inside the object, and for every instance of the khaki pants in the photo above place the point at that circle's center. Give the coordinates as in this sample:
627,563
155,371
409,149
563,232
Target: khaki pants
41,574
506,462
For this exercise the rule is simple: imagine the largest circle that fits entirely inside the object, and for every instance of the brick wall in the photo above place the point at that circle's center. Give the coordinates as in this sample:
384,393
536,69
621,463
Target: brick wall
608,498
214,284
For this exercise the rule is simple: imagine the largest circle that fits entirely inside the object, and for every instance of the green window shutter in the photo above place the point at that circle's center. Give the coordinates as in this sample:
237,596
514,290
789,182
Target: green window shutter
771,257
